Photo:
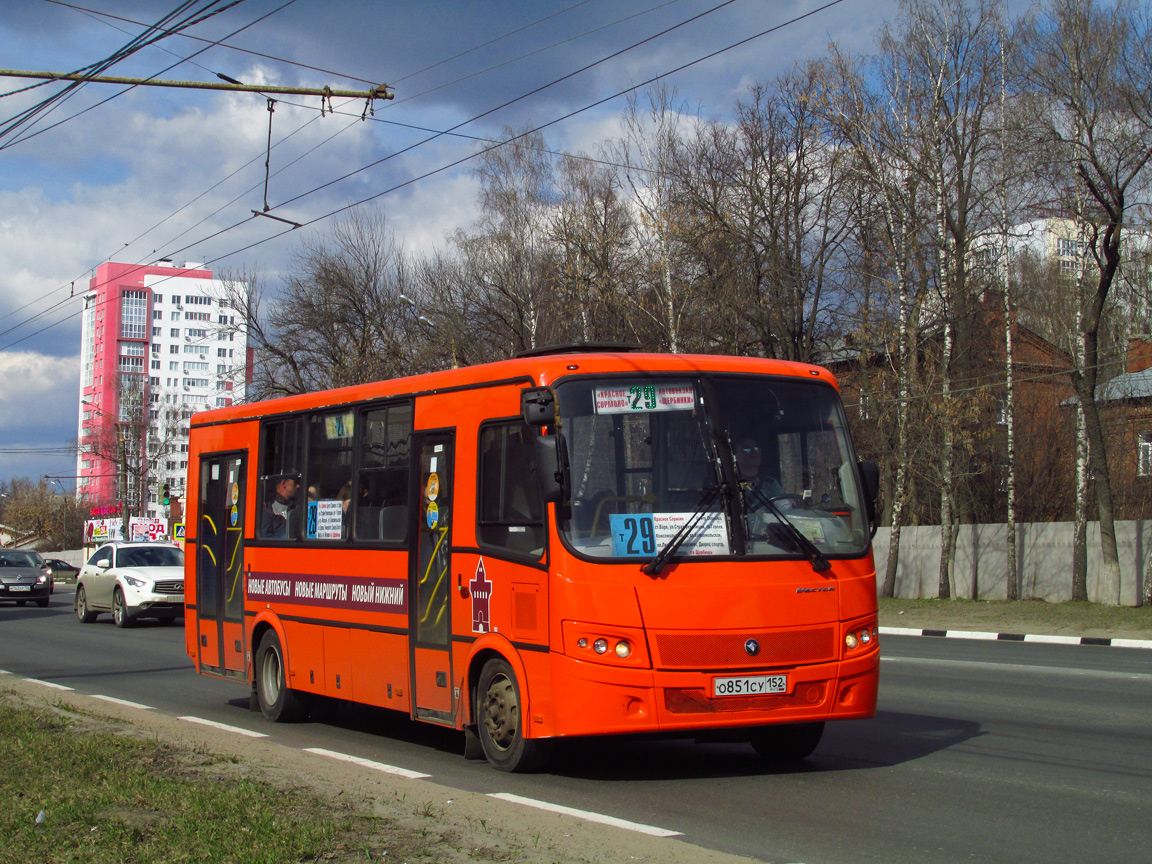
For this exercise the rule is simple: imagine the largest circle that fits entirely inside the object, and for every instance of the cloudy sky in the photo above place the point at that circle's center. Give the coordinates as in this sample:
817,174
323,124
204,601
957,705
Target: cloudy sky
135,175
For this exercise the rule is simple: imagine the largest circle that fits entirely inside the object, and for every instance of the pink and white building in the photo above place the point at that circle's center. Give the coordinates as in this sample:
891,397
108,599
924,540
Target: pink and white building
160,342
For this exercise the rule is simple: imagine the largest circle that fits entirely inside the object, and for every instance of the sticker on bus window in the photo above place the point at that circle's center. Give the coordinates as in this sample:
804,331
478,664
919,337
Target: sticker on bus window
642,535
338,426
325,519
644,398
432,490
433,515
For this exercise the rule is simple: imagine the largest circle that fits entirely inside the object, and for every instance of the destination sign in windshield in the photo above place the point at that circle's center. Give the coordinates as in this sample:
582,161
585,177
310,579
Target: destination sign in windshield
644,398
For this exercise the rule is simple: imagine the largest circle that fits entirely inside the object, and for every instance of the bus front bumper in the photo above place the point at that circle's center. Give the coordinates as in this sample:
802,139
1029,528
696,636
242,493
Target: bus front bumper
597,699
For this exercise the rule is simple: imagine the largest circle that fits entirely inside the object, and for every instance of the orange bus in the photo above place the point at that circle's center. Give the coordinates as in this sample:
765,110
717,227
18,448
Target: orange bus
574,542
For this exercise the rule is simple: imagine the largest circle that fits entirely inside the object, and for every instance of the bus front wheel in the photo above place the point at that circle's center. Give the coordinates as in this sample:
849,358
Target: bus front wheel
788,742
501,722
278,702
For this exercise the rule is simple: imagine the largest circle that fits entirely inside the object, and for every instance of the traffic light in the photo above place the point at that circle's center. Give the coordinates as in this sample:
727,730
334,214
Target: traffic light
165,495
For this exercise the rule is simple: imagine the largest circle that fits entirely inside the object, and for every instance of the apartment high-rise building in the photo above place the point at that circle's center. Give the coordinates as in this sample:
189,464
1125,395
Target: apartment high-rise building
159,342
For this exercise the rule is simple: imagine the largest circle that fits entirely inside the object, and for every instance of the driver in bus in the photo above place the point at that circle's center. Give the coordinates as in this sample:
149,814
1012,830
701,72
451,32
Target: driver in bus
274,521
747,453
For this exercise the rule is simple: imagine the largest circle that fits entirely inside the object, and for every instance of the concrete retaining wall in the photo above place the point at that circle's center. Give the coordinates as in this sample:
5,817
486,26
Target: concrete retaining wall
1044,560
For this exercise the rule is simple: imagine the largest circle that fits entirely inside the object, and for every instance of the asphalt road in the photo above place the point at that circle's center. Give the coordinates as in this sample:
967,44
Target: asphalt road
981,751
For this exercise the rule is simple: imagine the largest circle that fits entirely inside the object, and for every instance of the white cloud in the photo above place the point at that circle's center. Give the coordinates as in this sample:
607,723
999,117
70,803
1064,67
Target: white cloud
38,391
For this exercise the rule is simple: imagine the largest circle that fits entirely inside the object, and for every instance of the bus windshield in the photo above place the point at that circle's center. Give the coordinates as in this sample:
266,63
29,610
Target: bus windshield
730,466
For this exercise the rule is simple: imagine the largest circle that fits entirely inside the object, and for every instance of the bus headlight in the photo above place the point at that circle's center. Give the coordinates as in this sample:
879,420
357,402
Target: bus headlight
611,645
850,641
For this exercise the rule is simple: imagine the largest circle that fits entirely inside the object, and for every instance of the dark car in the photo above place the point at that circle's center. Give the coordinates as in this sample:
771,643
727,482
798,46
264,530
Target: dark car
60,570
24,577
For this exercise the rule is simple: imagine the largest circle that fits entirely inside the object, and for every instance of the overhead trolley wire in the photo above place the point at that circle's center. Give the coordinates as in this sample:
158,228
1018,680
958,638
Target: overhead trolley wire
45,106
480,152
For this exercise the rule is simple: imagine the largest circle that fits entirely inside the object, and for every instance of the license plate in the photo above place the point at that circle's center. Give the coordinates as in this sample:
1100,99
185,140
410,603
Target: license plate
752,685
19,587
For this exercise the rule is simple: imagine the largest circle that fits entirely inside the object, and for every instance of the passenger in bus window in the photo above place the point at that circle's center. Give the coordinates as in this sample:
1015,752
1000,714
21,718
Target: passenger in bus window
274,522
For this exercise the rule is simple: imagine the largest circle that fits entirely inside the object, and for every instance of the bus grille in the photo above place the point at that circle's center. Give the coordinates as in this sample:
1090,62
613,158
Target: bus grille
726,650
696,701
175,587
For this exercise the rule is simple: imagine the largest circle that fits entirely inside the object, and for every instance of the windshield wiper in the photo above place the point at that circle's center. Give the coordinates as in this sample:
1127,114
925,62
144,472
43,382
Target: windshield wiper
653,567
815,557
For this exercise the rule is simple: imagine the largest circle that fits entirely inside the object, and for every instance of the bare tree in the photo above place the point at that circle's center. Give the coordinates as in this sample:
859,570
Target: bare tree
648,148
592,230
507,257
1089,84
771,193
339,318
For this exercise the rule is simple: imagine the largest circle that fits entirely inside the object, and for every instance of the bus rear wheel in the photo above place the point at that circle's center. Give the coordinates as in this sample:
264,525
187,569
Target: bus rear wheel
278,702
501,722
789,742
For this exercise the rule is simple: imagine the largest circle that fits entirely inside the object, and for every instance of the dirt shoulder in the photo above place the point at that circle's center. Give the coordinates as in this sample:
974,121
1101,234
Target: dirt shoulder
1022,617
399,820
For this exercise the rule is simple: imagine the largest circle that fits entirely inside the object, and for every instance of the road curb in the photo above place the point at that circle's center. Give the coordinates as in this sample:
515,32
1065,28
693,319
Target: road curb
1101,641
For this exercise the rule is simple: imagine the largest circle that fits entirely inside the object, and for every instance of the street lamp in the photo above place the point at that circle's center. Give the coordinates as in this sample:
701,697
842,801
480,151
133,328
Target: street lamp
428,322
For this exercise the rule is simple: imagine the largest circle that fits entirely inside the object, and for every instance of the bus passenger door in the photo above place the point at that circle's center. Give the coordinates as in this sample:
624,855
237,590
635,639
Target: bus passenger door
429,572
220,563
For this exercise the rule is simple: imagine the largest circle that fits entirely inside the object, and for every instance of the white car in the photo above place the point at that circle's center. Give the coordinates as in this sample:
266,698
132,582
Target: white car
132,580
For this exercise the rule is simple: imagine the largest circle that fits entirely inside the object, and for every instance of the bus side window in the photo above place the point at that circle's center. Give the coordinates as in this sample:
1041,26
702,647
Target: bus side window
329,476
279,480
510,513
381,503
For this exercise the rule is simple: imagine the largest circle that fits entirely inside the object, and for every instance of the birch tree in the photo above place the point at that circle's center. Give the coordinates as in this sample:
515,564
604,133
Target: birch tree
1089,85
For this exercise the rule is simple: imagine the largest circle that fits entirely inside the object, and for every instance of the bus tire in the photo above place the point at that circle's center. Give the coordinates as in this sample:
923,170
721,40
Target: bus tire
501,722
787,742
278,702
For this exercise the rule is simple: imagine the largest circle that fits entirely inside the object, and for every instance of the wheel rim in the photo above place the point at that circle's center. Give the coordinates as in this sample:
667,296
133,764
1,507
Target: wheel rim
118,607
81,604
270,676
501,712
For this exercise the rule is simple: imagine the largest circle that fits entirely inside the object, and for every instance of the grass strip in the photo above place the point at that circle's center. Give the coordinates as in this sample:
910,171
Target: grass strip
71,791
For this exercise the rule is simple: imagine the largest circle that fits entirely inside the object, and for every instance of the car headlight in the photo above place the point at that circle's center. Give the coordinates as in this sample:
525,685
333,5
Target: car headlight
134,582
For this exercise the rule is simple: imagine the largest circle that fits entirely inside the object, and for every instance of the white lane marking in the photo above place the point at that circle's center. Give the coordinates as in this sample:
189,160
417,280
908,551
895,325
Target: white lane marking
124,702
225,727
367,763
587,815
47,684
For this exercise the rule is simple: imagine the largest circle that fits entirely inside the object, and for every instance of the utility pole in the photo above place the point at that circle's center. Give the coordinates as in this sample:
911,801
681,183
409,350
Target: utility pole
325,93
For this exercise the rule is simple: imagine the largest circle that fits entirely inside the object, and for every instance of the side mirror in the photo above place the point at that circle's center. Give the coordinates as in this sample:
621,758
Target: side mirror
104,563
870,478
552,467
538,406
